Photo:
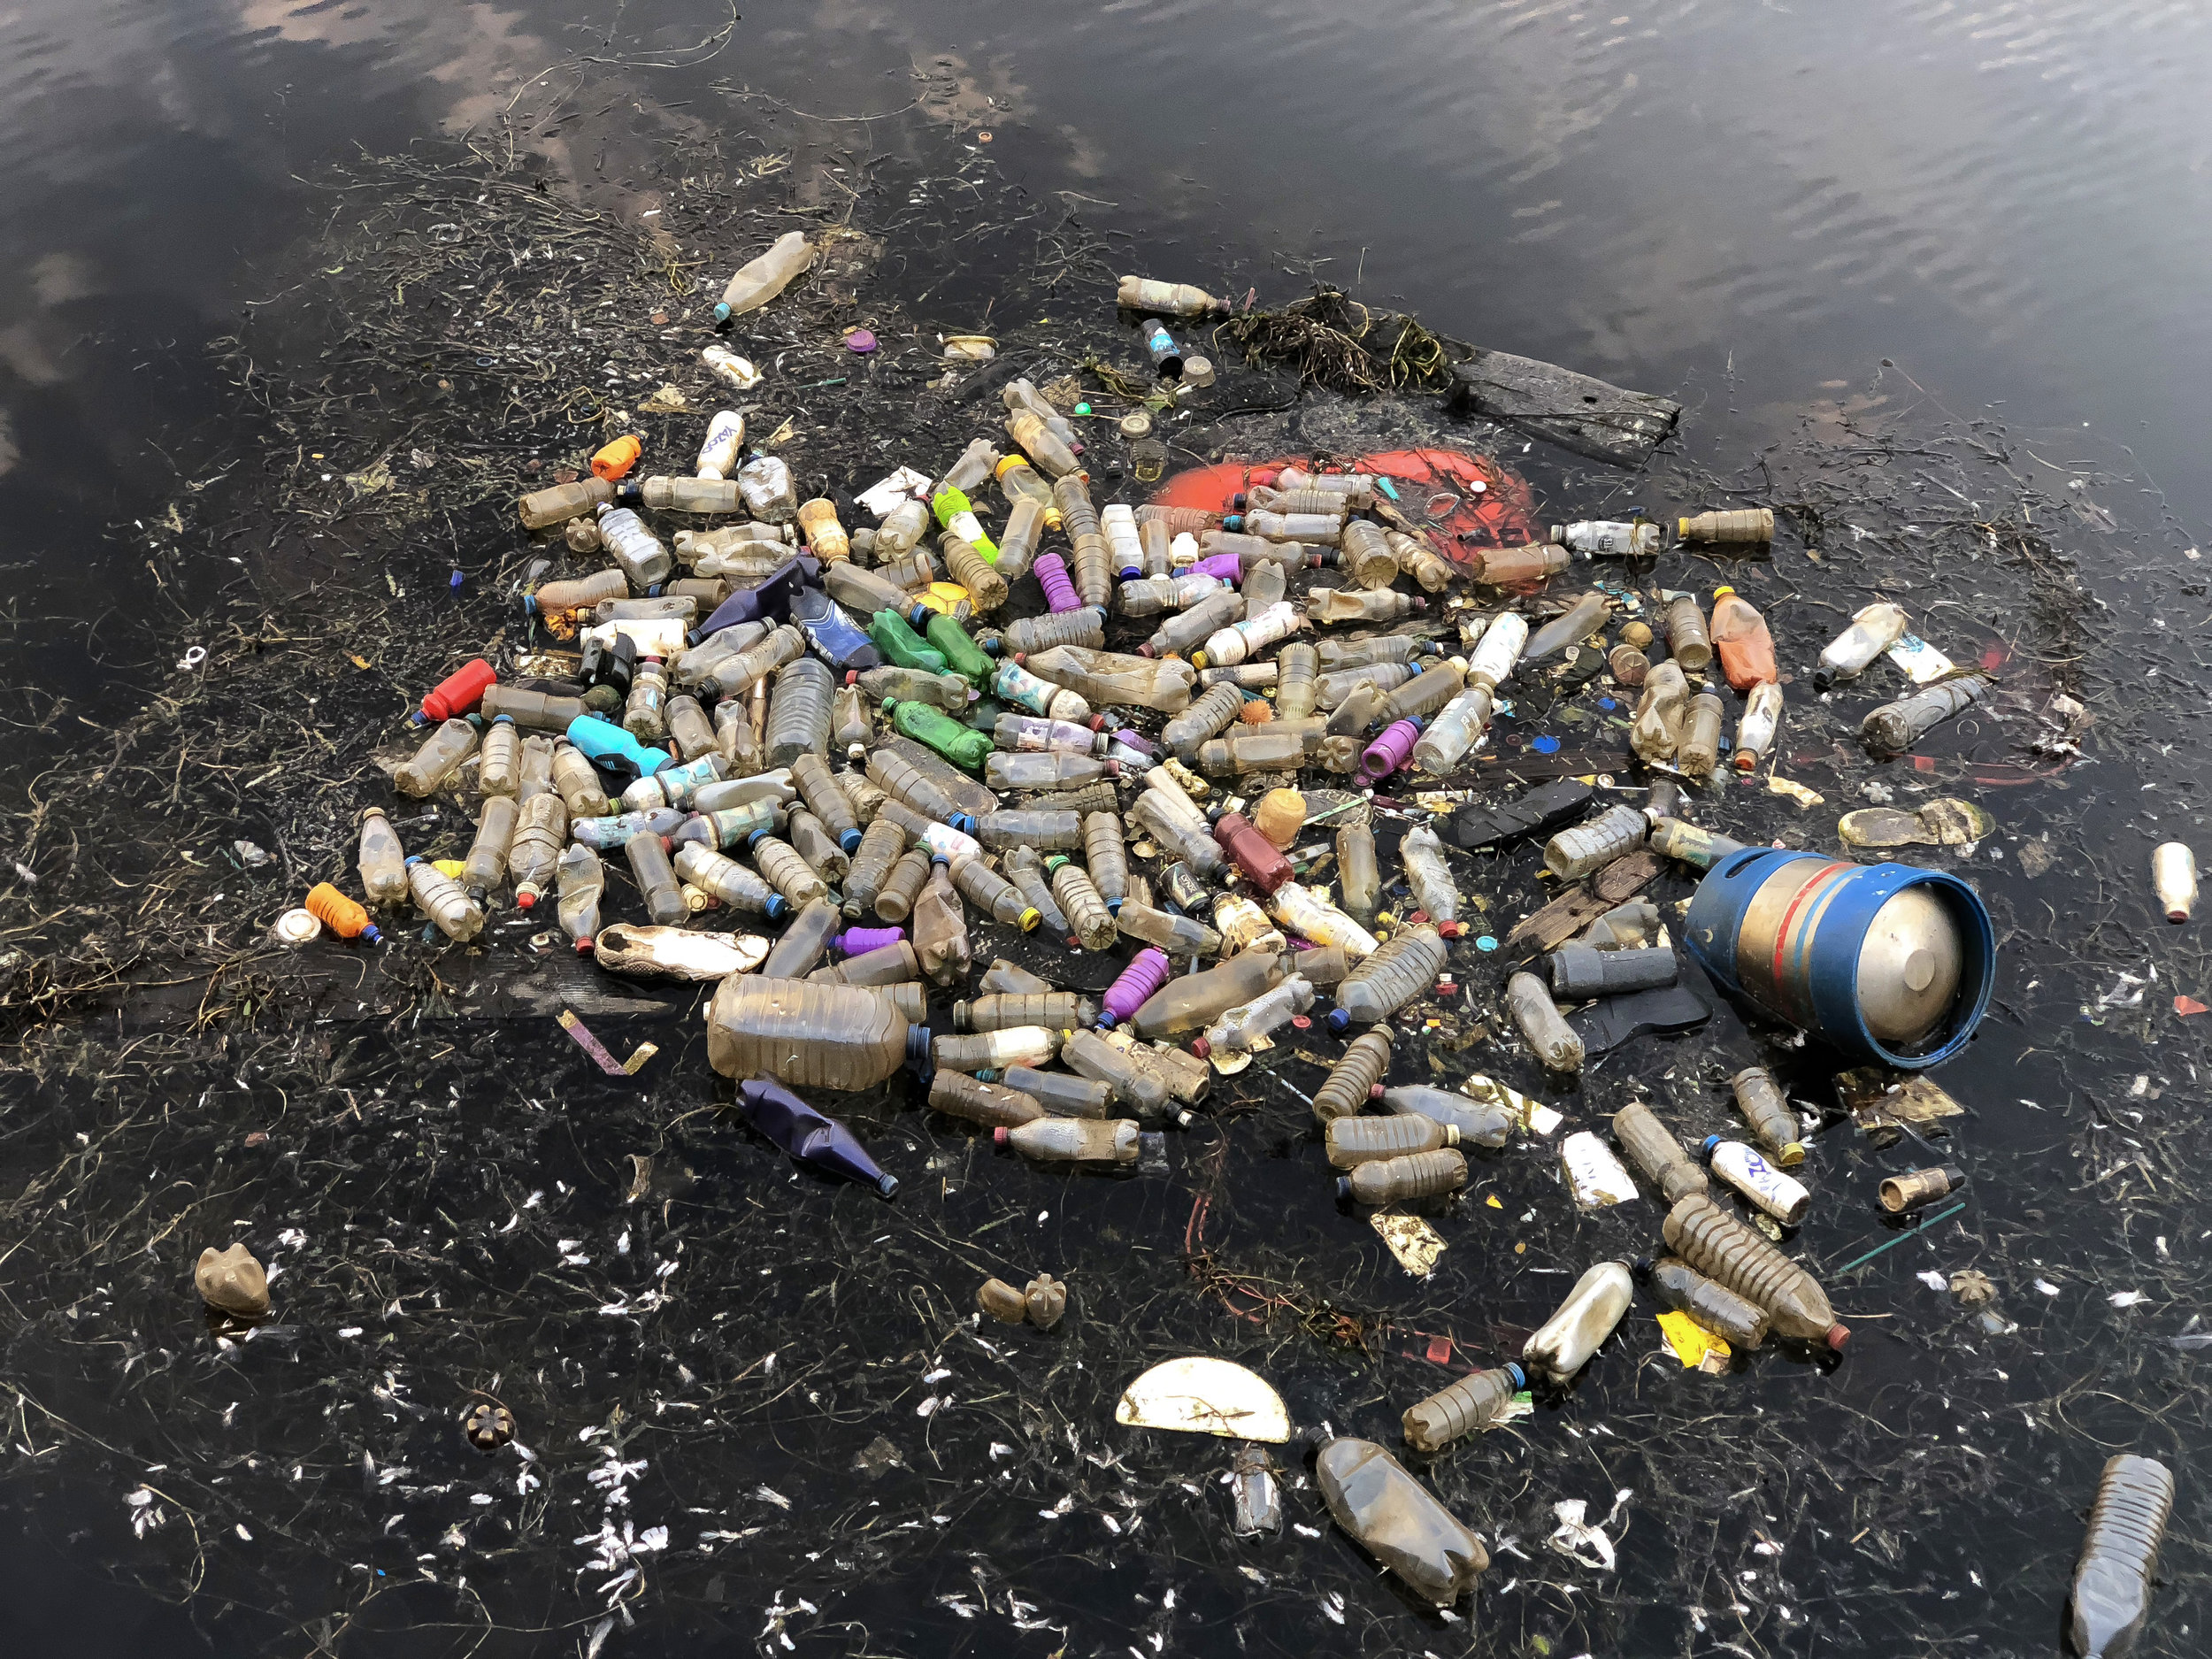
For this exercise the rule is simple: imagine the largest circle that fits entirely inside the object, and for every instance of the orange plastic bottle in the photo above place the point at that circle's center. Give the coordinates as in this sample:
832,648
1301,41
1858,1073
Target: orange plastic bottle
616,460
1739,634
339,914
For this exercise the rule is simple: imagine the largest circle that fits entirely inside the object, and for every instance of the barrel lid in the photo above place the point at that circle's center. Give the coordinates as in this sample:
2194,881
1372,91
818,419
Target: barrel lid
1910,966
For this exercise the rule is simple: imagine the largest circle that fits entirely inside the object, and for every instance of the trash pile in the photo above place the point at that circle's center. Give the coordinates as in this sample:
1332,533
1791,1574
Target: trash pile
1062,808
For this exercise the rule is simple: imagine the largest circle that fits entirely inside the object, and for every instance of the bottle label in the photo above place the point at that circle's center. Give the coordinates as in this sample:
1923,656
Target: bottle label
1744,1169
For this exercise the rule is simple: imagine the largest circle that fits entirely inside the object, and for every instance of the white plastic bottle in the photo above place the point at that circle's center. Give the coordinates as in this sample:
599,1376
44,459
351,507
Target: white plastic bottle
1872,630
725,436
1593,1308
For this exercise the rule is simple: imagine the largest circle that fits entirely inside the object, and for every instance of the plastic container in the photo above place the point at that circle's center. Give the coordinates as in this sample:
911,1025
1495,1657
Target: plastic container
1547,1034
799,713
2174,875
941,931
1761,721
436,762
1334,605
1688,639
583,879
1473,1403
543,509
1392,1516
1593,1308
1655,1151
1180,936
1458,727
1759,1099
532,711
484,868
1739,636
1635,538
1397,1180
1740,1323
1733,1256
809,1033
441,899
1873,630
761,278
1656,730
383,861
1259,860
637,552
1351,1141
1073,1140
1398,970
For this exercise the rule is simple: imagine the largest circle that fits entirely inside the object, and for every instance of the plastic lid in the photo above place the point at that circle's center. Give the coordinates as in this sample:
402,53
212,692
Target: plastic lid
1030,917
918,1054
999,1136
1718,592
1106,1020
418,718
1006,464
778,905
849,841
1374,1091
1836,1336
721,311
1338,1020
524,901
1791,1155
1343,1189
1200,1047
1707,1145
298,927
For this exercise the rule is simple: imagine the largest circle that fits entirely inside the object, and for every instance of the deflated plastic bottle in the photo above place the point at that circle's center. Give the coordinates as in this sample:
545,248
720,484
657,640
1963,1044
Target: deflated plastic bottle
1739,635
486,866
1721,1310
1191,843
441,898
636,550
1395,1519
852,721
1699,751
1762,721
383,860
1431,879
788,873
796,954
543,509
1637,538
2111,1597
1593,1308
814,1140
1155,594
810,1033
1630,927
1106,856
1656,730
1109,677
1073,1140
764,482
1474,1402
1479,1123
1084,626
1025,690
1445,741
1357,874
956,1094
1240,1029
1244,925
582,880
1089,918
1732,1255
1759,1099
1591,845
1422,562
655,878
729,881
941,931
1022,395
1310,916
761,278
973,468
1388,647
1136,1089
1274,746
555,599
1538,1017
1895,727
1742,1168
1352,1141
900,777
901,529
1356,1077
607,833
740,673
1187,630
1338,690
1399,969
1655,1151
1256,1500
578,782
1873,630
1194,1001
644,712
826,538
1587,615
799,715
436,762
909,876
1327,605
1393,1180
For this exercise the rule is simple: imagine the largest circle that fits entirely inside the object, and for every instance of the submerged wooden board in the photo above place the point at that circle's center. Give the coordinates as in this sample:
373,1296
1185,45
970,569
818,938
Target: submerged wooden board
1579,412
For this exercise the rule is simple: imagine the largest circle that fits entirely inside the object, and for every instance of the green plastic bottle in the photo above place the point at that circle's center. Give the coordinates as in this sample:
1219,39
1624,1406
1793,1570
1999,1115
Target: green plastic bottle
935,729
901,646
962,655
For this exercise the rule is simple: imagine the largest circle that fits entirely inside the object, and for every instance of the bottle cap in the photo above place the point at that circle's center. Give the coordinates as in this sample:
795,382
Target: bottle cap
1706,1146
1338,1020
1374,1091
1718,592
583,947
1200,1047
1836,1337
999,1136
849,841
1343,1189
886,1185
918,1054
1791,1155
778,906
721,311
1234,520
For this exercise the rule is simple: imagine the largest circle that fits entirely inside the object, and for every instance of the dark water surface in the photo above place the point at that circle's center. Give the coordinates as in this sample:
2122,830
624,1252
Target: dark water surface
1750,208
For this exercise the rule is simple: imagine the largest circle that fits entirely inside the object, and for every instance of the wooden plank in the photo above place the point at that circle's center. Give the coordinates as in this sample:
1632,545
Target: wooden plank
1581,414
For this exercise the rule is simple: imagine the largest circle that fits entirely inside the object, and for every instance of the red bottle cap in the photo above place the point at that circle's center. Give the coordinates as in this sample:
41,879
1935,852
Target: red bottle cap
999,1136
1200,1047
1838,1335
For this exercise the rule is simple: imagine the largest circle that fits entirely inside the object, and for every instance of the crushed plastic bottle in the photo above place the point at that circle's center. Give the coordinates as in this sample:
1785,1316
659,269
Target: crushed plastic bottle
1565,1342
1393,1517
583,879
1548,1036
763,278
1873,630
814,1140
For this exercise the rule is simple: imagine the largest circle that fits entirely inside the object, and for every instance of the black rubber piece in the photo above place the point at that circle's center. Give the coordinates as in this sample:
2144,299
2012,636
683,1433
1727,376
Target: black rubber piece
1604,1026
1538,812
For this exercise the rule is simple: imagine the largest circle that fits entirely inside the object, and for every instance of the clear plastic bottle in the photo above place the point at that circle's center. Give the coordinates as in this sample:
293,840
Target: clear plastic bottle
727,826
764,482
1732,1255
1106,856
810,838
1721,1310
1194,1001
1402,968
852,722
1736,526
809,1033
725,878
1688,640
799,714
562,598
1873,630
383,860
1036,439
543,509
532,711
1006,770
499,768
1073,1140
786,872
637,552
1366,555
1548,1035
740,673
1356,1077
1699,751
1136,1089
1671,838
992,893
796,954
533,775
1244,925
1395,1519
903,886
1109,677
1593,1308
1211,713
1335,605
1654,1150
941,930
688,495
1445,741
1896,727
1760,1101
829,801
1166,299
583,879
1351,1141
1761,721
880,845
1522,567
436,762
1656,730
2112,1597
1310,916
1631,926
485,868
1186,630
1276,745
1479,1123
1063,1094
759,279
645,710
1240,1029
1423,695
656,880
1393,1181
1430,876
1189,843
1089,918
441,899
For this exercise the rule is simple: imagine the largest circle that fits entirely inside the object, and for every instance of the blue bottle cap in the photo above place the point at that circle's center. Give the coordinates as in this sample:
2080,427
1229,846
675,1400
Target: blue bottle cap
1338,1020
778,906
1520,1376
1710,1142
721,313
849,841
1343,1189
964,822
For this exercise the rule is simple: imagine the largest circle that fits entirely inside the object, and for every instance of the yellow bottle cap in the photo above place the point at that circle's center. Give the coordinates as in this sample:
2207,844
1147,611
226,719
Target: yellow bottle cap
1718,592
1007,463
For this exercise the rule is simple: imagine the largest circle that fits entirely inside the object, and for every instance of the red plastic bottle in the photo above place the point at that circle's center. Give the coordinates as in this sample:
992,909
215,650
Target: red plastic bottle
457,693
1259,858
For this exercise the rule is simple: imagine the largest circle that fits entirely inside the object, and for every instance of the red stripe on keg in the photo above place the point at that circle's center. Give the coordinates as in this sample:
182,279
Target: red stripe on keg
1812,891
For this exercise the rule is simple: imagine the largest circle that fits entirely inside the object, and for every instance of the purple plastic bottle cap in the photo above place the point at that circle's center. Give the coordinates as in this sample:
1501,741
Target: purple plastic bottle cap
860,339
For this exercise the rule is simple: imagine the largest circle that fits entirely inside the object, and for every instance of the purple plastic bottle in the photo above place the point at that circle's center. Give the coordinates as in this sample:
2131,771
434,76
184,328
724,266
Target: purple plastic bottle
1052,574
1146,973
807,1135
1221,566
856,942
1389,751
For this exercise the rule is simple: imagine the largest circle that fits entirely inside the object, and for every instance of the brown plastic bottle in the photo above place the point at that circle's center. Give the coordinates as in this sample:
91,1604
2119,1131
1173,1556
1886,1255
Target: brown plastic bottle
1196,1000
939,929
995,1106
688,726
1063,1010
1136,1088
1005,979
1719,1310
809,1034
992,893
1732,1255
904,885
581,592
655,878
1652,1149
532,711
1088,915
544,508
1393,1517
811,841
895,964
1475,1401
830,803
1416,1175
880,846
1774,1125
1063,1094
794,956
578,782
786,872
1352,1141
1356,1077
1687,640
485,867
1073,1140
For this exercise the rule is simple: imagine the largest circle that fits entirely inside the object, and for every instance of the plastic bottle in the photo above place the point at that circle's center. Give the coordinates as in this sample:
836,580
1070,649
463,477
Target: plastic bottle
582,880
1305,913
441,899
852,722
1738,526
1049,455
728,826
1355,1078
1280,815
1896,727
961,653
532,711
992,893
1637,538
1688,640
644,712
1191,843
1187,630
1330,605
1109,677
1073,1140
1050,770
1585,618
1393,1180
810,1033
1423,695
941,930
1656,730
1194,1001
535,773
1366,555
1743,1169
727,879
1547,1034
1106,856
1167,299
973,465
1353,1140
1431,879
879,847
1135,1089
1628,665
799,714
607,833
2173,877
1732,1255
1740,1323
457,694
1593,1308
655,878
436,762
1739,635
339,914
908,875
1088,920
1630,927
1392,1516
1473,1403
1762,721
635,550
1367,653
1211,713
719,450
2111,1595
1873,630
1389,751
1445,741
764,482
796,954
1759,1099
1179,936
533,856
1402,968
383,861
1671,838
1025,690
761,278
788,873
967,566
956,1094
543,509
1063,1094
1240,1029
1699,751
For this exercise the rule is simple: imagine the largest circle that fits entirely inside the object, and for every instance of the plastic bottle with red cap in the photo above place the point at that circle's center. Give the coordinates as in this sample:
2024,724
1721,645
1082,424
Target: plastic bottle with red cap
1259,860
459,693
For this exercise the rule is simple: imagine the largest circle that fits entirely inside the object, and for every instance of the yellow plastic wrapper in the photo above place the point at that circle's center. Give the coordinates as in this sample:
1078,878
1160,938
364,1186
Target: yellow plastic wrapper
1698,1349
